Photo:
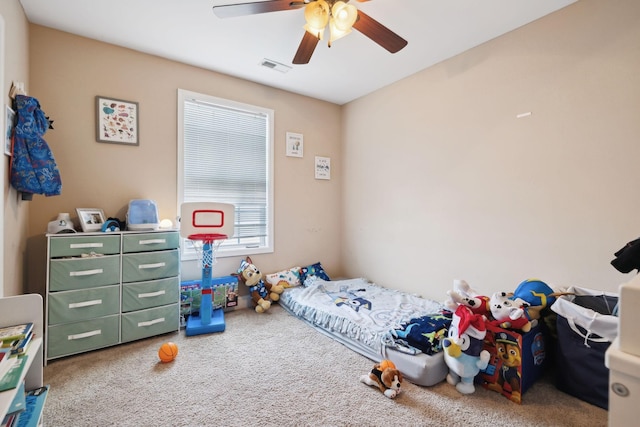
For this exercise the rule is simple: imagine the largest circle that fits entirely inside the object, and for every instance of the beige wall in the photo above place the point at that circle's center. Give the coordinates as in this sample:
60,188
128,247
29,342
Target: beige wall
15,222
442,181
67,72
437,177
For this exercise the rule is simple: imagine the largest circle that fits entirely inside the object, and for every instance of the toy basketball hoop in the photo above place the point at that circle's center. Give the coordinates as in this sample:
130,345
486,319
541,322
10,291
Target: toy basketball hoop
206,225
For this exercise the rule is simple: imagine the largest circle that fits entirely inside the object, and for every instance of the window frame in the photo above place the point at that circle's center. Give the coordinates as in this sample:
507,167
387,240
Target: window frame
187,250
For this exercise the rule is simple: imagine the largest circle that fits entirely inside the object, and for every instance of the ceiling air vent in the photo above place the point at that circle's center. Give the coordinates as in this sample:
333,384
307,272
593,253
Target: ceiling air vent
275,65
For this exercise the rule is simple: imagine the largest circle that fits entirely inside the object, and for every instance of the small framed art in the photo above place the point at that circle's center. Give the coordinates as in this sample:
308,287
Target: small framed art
9,120
323,168
116,121
91,219
295,144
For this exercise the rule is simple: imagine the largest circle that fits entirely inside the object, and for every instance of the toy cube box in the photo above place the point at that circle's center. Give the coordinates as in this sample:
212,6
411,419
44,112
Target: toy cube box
517,360
224,294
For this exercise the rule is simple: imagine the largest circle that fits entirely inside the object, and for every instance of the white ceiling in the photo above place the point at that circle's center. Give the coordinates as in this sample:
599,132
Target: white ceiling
187,31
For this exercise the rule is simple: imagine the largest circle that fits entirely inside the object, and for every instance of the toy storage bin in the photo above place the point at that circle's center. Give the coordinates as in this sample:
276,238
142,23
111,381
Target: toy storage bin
513,378
225,294
586,326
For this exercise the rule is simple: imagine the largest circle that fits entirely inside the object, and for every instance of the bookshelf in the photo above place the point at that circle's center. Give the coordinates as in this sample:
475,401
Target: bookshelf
21,309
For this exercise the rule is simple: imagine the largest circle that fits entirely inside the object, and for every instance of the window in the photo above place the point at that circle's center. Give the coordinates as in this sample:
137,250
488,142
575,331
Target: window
225,154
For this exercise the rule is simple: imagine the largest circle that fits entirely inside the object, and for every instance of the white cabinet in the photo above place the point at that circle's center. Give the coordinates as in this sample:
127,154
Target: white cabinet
105,289
23,309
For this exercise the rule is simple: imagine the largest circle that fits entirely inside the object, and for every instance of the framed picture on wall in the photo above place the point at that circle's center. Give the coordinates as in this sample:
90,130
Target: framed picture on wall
91,219
323,167
9,120
117,121
295,144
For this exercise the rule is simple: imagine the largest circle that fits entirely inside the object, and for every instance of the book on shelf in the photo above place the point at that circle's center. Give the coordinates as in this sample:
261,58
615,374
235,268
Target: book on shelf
21,347
19,403
35,399
10,334
6,361
12,378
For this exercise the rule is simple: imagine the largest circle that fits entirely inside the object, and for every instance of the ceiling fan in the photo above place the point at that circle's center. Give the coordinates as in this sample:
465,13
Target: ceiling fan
318,13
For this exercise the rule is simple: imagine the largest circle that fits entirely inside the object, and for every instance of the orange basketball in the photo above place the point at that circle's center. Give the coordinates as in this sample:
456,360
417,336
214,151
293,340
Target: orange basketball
167,352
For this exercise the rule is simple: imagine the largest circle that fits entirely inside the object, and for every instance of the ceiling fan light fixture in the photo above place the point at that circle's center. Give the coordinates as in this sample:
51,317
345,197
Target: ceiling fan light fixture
343,16
317,16
336,33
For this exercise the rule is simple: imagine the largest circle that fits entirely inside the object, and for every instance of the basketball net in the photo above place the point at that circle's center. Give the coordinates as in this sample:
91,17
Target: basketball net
207,258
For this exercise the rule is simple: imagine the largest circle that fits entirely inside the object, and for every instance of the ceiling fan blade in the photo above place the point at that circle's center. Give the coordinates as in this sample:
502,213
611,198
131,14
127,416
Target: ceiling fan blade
242,9
379,33
306,48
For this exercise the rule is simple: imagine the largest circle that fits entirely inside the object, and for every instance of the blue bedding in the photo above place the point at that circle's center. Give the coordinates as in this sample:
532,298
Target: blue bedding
366,313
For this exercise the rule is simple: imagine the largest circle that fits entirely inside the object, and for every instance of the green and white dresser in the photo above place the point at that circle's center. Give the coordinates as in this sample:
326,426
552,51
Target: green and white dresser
105,289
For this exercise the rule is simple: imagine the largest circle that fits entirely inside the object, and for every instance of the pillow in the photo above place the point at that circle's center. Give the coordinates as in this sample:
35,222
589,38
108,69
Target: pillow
313,270
287,278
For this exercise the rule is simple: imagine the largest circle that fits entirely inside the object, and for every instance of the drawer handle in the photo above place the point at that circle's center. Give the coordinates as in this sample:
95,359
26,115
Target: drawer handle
85,245
86,272
85,335
151,294
147,266
151,241
85,303
151,322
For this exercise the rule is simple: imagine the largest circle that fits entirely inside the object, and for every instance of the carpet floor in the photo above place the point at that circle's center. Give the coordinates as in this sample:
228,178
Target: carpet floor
272,369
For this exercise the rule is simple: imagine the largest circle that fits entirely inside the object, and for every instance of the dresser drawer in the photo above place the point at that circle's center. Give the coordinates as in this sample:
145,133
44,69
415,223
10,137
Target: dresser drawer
76,246
76,337
153,321
150,242
85,304
81,273
149,266
141,295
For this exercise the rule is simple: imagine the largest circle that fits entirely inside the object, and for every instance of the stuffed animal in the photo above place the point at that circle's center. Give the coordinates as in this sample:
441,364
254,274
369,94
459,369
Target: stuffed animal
462,294
262,294
509,313
386,377
463,351
538,295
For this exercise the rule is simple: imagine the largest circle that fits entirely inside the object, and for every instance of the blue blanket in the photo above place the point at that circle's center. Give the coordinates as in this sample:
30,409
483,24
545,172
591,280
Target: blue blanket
358,310
426,332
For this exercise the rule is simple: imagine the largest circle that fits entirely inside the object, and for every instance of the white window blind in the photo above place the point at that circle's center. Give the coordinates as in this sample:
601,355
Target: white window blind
226,150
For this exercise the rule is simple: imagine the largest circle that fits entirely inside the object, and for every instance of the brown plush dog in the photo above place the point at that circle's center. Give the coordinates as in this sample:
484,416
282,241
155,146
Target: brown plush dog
262,293
386,377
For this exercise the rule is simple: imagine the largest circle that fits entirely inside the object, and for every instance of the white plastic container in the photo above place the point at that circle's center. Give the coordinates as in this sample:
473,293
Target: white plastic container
624,386
630,317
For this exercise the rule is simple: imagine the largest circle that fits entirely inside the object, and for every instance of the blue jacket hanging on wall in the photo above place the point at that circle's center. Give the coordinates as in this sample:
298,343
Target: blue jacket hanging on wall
33,168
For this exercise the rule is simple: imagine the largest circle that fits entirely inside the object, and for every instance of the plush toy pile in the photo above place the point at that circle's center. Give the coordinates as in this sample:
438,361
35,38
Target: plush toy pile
473,311
520,309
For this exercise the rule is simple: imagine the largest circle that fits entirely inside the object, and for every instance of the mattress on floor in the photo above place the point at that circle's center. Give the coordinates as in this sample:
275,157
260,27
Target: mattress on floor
362,316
